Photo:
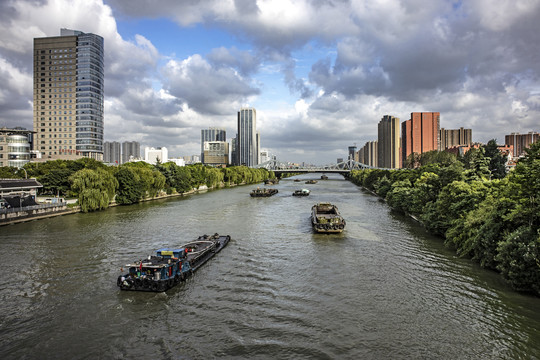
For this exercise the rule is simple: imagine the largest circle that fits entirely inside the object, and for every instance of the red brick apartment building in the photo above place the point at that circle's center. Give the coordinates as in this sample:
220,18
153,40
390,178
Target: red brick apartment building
420,134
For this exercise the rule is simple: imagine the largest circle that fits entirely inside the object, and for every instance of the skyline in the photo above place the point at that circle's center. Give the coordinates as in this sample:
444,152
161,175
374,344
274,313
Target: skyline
320,79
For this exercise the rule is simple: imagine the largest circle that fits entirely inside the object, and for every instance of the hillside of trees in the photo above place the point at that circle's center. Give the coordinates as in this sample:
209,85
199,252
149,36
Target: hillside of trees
96,185
471,202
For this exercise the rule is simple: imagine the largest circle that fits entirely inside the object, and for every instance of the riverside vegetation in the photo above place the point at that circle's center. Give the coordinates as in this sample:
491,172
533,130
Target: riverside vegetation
96,185
480,211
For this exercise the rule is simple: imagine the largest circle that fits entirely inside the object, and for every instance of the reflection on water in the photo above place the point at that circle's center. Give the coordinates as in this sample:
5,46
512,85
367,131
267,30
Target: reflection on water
381,289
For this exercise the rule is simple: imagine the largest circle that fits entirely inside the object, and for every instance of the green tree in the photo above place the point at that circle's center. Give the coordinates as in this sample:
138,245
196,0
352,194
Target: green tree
476,165
94,188
400,196
455,200
130,186
497,162
9,172
518,259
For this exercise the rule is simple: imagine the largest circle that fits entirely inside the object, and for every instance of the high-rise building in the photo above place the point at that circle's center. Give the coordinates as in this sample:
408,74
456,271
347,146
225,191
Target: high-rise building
68,94
352,153
248,148
368,154
521,141
234,151
216,153
130,150
420,134
455,137
112,152
388,142
211,134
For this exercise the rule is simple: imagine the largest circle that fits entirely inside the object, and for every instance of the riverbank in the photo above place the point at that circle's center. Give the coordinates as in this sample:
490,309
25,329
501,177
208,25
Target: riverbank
26,214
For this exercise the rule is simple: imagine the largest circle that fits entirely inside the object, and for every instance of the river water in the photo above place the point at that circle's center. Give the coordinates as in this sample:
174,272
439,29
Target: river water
383,289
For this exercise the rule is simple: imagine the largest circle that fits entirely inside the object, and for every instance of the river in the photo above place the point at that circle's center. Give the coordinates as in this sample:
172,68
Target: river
383,289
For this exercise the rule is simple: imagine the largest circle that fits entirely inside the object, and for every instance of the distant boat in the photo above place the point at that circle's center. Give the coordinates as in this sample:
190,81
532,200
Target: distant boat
265,192
303,192
325,218
271,181
324,177
311,182
297,180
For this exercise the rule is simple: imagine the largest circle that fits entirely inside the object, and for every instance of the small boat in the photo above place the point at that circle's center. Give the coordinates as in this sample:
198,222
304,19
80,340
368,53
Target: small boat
169,267
311,182
325,218
271,181
303,192
324,177
297,180
265,192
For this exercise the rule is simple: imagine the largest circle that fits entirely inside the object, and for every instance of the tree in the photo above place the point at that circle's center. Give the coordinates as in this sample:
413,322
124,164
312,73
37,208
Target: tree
455,200
518,259
497,162
94,188
130,187
476,165
9,172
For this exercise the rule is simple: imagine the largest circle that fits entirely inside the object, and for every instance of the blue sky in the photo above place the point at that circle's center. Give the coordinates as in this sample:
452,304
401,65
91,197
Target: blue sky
321,73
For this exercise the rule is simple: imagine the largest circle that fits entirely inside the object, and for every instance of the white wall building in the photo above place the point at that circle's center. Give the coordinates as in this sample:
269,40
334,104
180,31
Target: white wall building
178,161
153,155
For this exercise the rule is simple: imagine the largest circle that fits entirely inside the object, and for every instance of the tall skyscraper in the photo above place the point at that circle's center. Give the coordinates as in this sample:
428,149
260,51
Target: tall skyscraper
248,148
388,142
130,149
455,137
211,134
111,152
68,94
420,134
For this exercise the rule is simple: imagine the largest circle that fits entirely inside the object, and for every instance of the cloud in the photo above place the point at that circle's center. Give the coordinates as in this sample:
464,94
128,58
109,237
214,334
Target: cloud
207,90
337,67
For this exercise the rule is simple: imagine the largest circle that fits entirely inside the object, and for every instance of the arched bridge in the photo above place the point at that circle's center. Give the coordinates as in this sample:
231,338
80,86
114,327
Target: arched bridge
343,168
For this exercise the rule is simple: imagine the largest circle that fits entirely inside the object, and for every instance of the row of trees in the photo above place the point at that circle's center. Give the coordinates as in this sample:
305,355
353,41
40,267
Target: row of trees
96,185
480,211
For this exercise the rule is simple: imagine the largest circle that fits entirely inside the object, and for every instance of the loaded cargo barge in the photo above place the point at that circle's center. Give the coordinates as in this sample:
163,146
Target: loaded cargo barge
325,218
169,267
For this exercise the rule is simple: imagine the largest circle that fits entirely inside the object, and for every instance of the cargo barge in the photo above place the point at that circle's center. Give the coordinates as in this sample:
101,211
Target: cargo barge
325,218
169,267
265,192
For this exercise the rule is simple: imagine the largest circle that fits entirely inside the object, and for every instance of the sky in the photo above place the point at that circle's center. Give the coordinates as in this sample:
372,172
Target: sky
320,74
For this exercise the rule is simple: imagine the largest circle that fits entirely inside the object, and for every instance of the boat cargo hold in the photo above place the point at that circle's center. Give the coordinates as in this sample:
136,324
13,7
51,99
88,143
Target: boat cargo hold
325,218
169,267
265,192
303,192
